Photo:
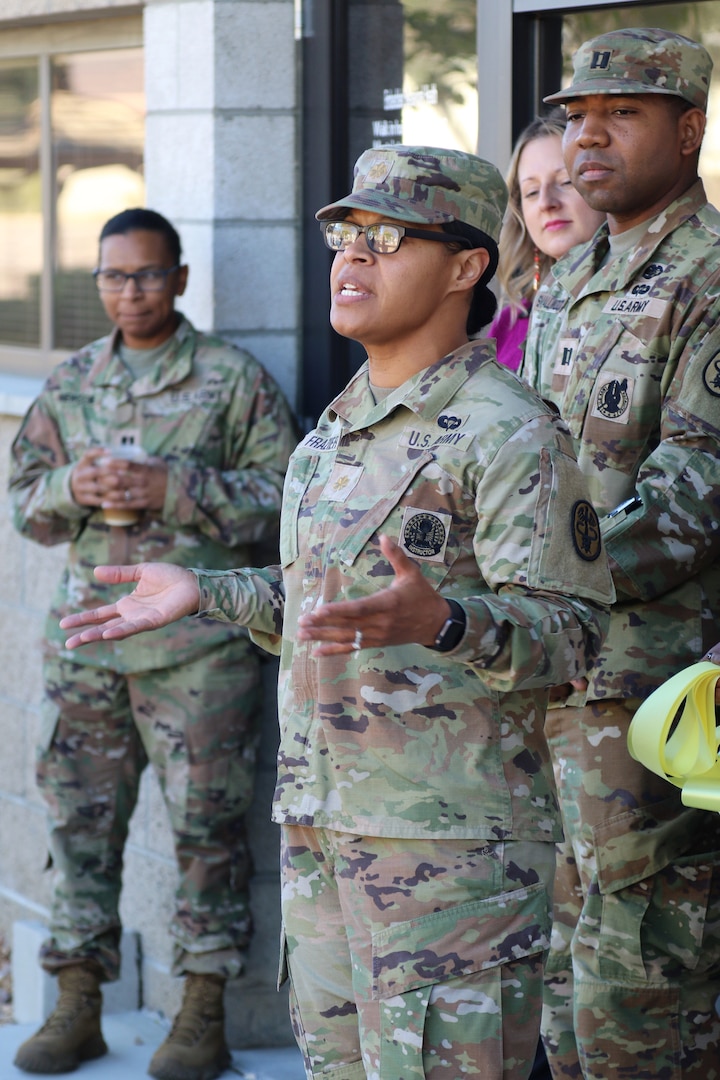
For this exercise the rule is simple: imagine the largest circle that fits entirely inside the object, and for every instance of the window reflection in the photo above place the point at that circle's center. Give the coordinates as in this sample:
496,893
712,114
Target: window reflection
440,79
21,240
97,115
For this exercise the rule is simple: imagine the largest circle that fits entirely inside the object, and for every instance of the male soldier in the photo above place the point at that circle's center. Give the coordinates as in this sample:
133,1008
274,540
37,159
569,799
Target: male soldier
441,567
624,341
215,436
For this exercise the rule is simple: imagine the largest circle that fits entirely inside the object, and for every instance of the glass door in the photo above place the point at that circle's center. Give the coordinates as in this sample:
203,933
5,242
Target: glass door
375,73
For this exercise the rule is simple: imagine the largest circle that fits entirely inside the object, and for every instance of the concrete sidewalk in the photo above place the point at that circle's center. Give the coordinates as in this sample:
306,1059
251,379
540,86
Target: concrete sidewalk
132,1038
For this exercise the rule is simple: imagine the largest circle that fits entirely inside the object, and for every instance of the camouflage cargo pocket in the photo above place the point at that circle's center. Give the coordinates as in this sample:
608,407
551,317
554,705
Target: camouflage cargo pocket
451,961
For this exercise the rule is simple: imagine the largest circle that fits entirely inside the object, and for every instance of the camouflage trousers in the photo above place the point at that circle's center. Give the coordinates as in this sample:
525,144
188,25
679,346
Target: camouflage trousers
414,958
197,725
633,977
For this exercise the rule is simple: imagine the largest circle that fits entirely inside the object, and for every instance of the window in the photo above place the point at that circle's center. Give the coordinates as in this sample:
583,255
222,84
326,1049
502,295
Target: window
71,156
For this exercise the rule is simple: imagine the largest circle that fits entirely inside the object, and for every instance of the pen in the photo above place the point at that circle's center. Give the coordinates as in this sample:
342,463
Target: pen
626,507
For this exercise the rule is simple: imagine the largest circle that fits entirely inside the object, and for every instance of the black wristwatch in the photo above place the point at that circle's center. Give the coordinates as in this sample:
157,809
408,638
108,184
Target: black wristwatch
452,629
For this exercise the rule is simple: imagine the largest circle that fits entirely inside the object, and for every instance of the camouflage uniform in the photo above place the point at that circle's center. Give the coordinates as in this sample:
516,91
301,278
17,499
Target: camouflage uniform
414,788
626,347
186,698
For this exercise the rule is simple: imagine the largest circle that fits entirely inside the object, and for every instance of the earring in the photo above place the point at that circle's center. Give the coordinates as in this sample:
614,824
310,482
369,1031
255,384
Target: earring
536,276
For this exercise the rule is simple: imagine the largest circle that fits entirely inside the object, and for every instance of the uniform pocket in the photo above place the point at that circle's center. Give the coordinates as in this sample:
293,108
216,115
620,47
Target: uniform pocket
376,514
471,937
652,896
450,962
296,484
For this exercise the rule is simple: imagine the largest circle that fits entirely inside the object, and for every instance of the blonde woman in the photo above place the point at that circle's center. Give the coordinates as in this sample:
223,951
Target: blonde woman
545,217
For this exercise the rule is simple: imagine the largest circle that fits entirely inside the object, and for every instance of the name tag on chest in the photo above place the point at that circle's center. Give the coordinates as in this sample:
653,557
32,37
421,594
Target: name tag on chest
419,439
650,307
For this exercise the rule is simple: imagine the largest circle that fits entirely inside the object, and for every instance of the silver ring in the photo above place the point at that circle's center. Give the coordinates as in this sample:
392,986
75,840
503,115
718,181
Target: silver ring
128,496
357,641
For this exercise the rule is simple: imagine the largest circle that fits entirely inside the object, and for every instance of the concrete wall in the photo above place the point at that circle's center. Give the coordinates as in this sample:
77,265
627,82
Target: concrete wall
221,154
222,157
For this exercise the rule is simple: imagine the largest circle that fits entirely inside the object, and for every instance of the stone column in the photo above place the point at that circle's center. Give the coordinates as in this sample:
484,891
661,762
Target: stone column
221,153
221,161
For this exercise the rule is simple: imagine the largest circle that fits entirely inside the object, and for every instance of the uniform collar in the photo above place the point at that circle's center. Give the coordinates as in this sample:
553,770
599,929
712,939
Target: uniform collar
109,370
427,393
584,273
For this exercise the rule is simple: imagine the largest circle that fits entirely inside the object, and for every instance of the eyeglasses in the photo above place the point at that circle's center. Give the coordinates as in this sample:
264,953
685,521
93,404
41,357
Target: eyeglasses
145,280
382,238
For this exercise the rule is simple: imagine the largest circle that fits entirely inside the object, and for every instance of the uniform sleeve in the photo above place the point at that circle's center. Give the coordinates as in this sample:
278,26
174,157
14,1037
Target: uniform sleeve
676,532
539,549
41,501
250,597
239,503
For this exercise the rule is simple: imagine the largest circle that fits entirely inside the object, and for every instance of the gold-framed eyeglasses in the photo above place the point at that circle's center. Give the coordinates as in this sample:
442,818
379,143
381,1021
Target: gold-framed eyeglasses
382,237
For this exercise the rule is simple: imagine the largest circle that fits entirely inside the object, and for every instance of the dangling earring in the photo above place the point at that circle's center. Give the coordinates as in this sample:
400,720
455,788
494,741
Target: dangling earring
536,276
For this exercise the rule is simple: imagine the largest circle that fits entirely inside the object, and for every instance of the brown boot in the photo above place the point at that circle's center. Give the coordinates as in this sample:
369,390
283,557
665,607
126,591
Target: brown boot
195,1049
71,1034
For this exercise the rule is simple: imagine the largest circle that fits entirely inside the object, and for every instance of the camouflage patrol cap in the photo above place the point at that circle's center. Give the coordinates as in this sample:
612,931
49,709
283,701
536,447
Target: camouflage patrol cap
428,186
640,61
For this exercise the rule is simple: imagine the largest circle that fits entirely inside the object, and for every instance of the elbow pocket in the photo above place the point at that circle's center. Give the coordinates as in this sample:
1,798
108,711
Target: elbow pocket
567,552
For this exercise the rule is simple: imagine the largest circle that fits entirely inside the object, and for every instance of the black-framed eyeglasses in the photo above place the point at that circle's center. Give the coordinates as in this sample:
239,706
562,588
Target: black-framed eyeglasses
382,237
145,280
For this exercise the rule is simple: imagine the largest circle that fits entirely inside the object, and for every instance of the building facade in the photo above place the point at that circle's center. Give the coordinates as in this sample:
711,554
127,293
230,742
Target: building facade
236,119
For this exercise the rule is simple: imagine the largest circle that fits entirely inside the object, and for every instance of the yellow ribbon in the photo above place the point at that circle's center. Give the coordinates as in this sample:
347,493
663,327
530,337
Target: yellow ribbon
688,757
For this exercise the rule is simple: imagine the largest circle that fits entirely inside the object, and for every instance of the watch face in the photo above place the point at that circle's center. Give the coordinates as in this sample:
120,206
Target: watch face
450,635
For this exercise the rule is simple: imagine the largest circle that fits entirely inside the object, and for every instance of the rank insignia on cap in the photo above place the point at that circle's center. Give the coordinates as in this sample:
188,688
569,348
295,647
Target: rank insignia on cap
711,376
425,534
585,528
378,171
600,59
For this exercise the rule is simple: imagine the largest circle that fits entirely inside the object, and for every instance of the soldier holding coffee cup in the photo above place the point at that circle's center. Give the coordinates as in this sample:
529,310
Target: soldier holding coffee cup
157,442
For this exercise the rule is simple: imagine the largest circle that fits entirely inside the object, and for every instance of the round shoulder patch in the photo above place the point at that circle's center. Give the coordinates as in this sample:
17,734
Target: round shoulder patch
613,399
585,530
711,376
424,535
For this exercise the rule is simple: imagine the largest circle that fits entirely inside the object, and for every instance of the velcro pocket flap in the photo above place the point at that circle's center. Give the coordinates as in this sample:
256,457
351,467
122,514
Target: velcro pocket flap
632,846
469,937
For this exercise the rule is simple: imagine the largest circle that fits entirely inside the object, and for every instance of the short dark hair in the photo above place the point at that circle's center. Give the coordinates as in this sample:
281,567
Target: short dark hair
149,220
483,304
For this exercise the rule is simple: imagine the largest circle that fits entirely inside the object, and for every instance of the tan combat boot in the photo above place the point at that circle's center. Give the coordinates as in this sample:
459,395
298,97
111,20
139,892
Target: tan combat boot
71,1034
195,1049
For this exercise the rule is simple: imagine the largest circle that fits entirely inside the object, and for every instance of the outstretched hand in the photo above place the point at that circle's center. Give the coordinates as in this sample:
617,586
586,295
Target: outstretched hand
163,594
408,610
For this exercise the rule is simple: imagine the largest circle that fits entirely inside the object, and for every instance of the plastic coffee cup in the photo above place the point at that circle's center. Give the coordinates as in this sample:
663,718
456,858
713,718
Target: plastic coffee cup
119,515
